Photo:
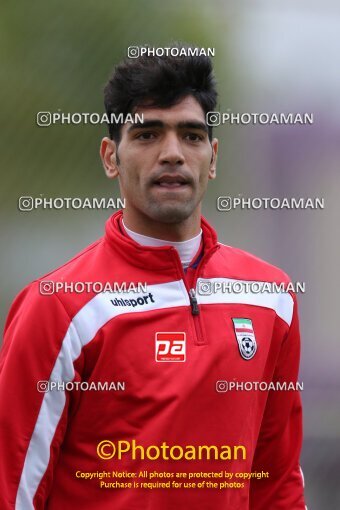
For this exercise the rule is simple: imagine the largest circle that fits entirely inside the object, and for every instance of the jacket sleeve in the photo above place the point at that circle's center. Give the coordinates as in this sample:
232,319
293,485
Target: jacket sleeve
278,448
32,420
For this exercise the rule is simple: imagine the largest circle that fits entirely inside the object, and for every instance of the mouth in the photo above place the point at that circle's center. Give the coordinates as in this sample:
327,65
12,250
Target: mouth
171,182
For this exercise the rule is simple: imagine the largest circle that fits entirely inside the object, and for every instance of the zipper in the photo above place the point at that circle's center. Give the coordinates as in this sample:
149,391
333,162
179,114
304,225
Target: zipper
193,302
195,312
194,306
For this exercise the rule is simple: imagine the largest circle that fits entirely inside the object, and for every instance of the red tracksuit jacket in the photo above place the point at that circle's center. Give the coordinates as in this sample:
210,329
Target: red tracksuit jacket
49,440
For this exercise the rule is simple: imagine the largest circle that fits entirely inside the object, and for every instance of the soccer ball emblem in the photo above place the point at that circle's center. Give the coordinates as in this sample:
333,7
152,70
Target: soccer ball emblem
247,347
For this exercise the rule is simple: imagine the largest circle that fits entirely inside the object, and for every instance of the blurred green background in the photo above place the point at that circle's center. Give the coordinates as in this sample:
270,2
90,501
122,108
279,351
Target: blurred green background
270,57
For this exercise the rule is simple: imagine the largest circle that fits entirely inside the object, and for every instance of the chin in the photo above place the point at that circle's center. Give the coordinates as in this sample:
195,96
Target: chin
171,214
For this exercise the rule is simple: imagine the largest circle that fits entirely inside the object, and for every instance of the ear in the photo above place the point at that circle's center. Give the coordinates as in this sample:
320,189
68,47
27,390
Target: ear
213,162
108,154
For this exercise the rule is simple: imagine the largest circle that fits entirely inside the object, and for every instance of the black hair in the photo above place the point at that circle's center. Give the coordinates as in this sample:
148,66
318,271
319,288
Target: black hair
159,81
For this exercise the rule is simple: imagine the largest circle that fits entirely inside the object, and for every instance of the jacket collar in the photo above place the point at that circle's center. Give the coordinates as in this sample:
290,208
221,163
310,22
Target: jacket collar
150,257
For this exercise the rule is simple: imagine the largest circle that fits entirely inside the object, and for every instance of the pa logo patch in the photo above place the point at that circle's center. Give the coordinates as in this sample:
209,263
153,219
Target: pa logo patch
170,346
245,337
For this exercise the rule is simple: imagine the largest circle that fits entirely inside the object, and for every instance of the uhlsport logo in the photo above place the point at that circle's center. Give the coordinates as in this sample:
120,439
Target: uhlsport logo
245,337
170,346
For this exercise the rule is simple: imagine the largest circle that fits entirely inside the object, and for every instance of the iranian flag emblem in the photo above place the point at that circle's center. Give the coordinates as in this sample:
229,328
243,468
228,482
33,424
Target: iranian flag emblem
245,337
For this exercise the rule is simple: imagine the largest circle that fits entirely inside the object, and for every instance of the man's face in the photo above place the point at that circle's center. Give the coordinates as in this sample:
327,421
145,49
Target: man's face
164,163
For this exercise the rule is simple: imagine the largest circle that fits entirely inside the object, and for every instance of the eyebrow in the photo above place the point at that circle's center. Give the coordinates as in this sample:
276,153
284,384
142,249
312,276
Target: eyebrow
152,123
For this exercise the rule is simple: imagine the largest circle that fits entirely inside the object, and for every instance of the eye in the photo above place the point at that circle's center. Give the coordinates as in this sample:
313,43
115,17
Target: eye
194,137
146,135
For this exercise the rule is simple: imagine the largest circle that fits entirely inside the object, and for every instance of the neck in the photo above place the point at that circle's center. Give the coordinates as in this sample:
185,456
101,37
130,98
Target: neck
181,231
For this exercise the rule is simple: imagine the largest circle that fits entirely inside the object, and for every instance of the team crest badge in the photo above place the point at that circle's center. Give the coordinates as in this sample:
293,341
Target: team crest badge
245,337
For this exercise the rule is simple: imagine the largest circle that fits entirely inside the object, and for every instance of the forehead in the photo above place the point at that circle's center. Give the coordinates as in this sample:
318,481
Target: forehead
186,108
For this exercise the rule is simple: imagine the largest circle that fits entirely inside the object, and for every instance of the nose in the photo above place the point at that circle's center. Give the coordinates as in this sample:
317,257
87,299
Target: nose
171,151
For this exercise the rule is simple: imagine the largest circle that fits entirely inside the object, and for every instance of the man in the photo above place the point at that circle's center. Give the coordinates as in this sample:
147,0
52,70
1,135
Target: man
156,445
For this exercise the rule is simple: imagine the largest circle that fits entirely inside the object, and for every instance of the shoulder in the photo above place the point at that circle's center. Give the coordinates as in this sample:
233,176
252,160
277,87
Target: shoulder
42,293
241,264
